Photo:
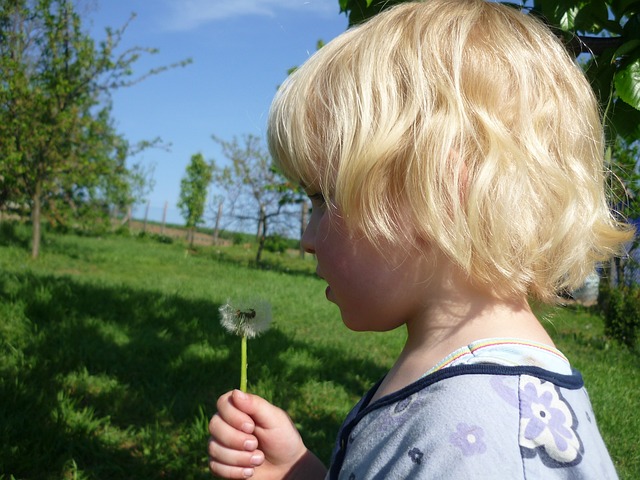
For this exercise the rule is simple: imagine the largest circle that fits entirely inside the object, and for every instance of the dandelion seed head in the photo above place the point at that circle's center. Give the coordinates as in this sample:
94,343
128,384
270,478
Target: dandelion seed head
246,318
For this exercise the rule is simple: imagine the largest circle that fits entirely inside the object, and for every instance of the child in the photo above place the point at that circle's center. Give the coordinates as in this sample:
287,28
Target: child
453,154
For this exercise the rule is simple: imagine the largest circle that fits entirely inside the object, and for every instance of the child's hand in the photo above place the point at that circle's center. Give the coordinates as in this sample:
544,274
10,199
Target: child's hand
252,438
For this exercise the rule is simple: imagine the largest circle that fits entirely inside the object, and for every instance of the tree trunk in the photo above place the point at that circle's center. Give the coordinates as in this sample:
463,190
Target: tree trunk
191,235
216,228
164,217
35,221
260,229
620,280
114,217
146,214
263,236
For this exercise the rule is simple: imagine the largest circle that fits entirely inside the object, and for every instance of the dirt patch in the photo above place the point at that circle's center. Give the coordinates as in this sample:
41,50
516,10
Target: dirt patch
175,233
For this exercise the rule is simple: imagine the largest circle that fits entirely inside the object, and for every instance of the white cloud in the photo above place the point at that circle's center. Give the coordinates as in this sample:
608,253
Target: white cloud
191,14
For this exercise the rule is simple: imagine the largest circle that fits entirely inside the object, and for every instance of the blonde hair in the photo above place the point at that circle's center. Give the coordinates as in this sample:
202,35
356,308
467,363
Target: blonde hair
467,119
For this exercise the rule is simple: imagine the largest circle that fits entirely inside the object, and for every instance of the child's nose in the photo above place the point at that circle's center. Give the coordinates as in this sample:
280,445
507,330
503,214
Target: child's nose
308,238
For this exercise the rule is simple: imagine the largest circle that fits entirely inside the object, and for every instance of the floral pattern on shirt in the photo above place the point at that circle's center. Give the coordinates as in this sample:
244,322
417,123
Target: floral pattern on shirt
468,438
547,424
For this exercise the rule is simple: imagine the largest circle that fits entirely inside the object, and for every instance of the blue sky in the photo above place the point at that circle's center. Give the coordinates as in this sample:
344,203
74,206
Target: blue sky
241,51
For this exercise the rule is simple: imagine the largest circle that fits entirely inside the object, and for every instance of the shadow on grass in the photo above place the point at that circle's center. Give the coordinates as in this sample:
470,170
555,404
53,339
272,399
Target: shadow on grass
14,234
121,382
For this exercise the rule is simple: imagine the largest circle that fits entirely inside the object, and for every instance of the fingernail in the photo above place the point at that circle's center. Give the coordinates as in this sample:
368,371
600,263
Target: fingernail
256,460
241,395
247,472
247,427
250,445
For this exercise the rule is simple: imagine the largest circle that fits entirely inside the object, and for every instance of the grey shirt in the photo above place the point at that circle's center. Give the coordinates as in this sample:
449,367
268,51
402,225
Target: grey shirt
475,421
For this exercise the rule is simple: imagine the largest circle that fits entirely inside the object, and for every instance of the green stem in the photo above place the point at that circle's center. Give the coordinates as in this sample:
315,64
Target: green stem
243,364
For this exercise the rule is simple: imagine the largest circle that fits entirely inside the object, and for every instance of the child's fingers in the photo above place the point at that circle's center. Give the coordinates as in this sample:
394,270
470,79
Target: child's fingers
226,471
229,463
229,471
232,415
261,412
230,437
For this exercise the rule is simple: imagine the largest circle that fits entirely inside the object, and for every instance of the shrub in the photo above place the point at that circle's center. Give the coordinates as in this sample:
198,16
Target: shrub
238,238
621,312
158,237
162,238
7,230
122,231
276,243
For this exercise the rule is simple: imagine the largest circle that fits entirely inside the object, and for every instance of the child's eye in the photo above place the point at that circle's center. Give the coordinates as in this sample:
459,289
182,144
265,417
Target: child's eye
317,200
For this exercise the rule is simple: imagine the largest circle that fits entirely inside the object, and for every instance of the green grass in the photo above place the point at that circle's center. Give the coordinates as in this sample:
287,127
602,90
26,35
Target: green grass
112,357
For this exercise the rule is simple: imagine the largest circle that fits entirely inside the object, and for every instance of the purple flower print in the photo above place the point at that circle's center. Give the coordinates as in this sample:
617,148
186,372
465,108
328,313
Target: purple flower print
547,423
416,455
468,438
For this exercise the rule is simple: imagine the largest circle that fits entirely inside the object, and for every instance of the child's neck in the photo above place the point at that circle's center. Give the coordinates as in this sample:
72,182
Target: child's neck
454,321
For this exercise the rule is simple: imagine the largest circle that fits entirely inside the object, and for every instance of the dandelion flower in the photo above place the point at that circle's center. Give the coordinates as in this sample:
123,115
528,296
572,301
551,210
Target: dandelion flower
247,320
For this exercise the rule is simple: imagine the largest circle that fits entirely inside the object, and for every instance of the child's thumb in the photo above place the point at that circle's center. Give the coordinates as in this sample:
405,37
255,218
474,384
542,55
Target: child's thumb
264,414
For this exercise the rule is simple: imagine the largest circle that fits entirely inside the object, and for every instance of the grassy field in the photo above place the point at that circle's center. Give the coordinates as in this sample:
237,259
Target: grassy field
112,357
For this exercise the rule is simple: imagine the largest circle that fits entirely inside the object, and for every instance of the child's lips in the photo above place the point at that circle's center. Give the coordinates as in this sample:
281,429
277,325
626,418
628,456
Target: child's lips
327,291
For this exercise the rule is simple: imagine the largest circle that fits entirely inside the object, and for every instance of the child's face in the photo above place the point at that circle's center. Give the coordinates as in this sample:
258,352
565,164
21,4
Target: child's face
375,291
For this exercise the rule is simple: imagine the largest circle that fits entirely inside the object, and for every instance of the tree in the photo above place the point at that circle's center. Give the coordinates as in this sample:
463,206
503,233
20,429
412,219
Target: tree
625,186
255,190
58,147
608,30
193,192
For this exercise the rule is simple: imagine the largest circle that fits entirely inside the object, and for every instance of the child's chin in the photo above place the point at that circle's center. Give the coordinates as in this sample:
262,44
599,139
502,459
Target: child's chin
355,325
